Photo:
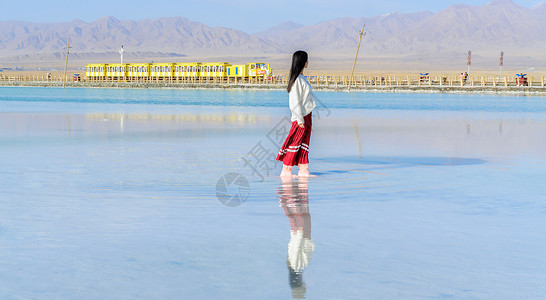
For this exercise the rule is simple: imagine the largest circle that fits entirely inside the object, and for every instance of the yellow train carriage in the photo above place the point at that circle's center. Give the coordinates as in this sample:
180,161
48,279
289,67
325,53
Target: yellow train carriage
138,71
162,70
95,70
238,71
186,70
114,71
214,69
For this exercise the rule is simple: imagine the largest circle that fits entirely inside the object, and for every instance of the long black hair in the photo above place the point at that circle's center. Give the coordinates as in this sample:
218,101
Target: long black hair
299,58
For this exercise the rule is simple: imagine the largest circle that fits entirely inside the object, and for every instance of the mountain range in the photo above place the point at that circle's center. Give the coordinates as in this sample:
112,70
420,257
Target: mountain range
413,37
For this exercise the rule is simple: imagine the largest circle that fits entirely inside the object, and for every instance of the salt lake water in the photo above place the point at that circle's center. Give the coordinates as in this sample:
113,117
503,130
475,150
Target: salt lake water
128,194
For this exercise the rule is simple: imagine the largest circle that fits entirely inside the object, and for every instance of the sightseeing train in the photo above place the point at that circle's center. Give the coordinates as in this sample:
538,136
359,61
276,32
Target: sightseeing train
163,71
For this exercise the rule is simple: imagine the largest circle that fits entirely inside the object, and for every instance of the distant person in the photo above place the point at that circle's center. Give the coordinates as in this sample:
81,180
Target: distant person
295,150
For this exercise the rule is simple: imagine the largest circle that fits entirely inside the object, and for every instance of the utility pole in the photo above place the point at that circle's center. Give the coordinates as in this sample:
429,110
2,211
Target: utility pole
468,62
501,63
361,33
66,62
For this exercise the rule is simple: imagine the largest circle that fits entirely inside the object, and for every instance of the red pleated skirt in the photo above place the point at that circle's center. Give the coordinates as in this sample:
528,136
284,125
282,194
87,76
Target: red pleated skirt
295,149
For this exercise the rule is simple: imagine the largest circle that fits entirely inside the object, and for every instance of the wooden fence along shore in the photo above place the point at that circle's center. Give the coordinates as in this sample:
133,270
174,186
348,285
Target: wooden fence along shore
365,82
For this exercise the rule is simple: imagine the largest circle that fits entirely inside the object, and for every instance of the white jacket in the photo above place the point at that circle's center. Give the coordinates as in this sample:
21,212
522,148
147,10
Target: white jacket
301,99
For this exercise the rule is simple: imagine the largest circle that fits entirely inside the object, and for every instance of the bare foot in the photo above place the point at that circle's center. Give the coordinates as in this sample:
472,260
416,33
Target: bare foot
304,171
286,174
305,174
286,171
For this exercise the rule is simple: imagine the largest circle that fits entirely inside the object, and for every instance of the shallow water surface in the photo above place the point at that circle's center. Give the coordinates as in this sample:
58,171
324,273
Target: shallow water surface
114,194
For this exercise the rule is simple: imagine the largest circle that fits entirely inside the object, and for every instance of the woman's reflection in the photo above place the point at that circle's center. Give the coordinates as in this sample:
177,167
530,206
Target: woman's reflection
293,195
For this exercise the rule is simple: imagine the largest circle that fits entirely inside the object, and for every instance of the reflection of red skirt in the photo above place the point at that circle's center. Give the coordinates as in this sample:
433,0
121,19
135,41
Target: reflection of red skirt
295,149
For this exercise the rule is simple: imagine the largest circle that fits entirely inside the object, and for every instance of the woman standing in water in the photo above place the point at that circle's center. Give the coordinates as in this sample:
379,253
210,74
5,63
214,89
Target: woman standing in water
295,150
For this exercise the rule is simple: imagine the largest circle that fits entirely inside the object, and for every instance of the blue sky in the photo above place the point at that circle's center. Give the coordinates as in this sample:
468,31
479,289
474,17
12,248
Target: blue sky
247,15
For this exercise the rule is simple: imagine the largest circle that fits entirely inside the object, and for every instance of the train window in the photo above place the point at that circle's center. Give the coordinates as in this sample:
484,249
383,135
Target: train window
253,66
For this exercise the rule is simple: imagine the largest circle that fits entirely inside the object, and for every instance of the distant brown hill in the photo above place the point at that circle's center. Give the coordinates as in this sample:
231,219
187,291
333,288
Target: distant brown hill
416,38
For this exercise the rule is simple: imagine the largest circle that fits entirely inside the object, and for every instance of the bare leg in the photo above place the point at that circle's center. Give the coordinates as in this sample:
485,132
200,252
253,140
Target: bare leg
286,171
304,170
